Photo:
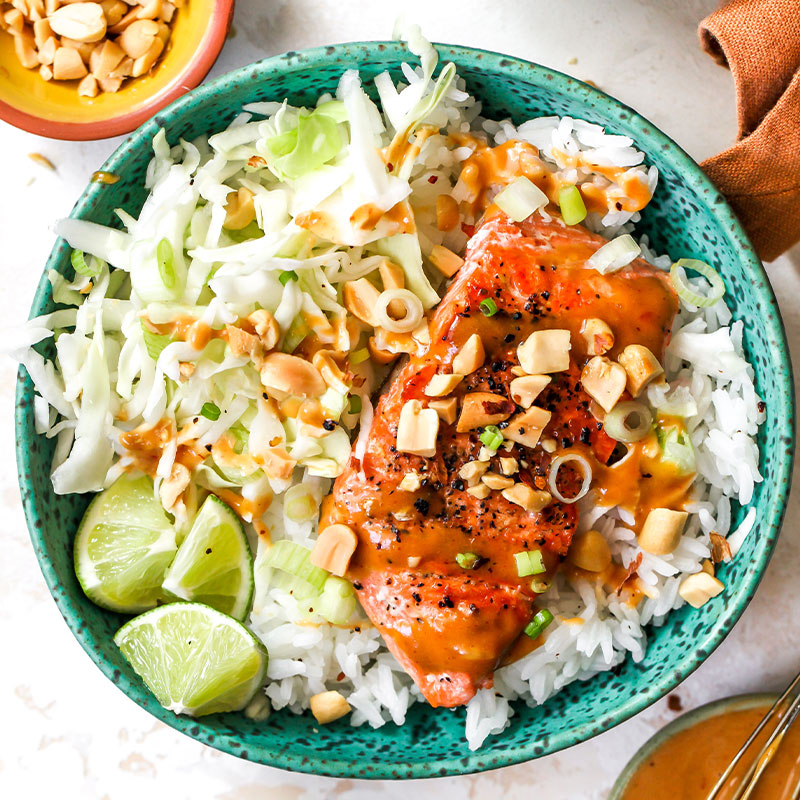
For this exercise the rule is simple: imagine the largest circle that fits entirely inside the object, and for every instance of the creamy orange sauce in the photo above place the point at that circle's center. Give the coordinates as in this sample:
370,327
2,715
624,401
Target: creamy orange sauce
617,188
188,329
249,510
691,762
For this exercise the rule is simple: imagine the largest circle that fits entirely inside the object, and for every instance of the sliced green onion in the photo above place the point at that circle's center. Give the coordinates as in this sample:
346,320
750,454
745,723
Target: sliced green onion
355,404
166,264
618,253
573,209
491,437
552,476
529,562
295,559
210,411
688,295
288,275
541,619
467,560
677,448
540,585
299,504
628,422
298,331
154,342
82,268
338,600
357,356
520,199
489,307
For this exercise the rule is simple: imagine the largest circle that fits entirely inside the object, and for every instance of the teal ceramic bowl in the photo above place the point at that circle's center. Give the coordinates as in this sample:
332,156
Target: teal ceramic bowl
687,218
740,702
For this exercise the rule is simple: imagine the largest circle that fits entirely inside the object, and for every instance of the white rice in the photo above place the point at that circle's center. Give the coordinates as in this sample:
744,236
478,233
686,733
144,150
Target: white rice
593,629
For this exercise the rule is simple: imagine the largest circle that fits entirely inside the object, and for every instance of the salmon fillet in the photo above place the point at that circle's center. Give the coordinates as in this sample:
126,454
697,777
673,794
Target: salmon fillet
450,627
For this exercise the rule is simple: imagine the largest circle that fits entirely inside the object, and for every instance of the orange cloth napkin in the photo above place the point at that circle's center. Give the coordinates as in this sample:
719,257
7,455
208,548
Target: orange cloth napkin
759,40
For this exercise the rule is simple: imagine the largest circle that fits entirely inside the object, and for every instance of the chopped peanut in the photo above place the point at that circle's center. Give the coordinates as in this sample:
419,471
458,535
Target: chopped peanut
472,471
495,481
25,48
708,566
699,588
530,499
328,364
509,466
360,298
545,351
411,482
266,326
105,58
549,445
47,74
446,408
446,261
173,487
662,531
527,427
378,354
479,409
480,490
41,32
417,429
47,52
470,357
328,706
334,548
68,64
413,561
590,551
243,343
239,208
83,22
447,216
440,385
641,367
526,389
285,375
604,381
598,336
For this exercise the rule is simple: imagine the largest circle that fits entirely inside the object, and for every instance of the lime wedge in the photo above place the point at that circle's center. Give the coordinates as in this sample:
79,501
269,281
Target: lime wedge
214,564
194,659
123,547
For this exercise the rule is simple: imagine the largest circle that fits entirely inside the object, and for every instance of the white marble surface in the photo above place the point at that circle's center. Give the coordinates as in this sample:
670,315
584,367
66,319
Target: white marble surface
65,731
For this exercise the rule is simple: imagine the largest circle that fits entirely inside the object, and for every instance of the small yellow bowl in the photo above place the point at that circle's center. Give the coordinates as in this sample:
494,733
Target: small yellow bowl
54,109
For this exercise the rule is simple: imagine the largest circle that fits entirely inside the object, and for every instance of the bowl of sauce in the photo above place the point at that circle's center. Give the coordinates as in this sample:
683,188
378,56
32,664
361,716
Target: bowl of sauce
686,758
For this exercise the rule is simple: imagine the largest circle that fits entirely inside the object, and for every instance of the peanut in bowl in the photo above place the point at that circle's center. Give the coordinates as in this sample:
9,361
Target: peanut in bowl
48,75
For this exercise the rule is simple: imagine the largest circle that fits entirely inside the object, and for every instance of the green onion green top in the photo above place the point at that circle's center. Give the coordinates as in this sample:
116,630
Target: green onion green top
529,562
467,560
355,404
166,264
491,437
210,411
288,275
573,209
81,267
541,619
489,307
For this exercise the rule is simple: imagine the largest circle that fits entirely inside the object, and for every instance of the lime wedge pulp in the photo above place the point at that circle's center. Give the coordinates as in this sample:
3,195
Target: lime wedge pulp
214,564
124,544
194,659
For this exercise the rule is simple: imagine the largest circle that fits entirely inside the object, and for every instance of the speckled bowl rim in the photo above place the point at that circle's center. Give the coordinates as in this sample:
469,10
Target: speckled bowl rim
614,112
739,702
